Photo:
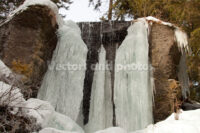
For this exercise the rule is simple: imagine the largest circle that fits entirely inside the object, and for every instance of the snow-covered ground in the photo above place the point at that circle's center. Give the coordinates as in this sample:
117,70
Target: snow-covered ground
188,122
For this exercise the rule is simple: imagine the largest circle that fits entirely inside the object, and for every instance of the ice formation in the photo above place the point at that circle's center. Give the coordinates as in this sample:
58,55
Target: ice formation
180,36
183,76
63,82
133,89
100,116
182,40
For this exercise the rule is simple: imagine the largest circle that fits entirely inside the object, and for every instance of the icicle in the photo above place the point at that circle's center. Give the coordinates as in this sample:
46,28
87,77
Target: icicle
152,83
133,93
100,116
108,100
183,76
182,40
101,32
63,82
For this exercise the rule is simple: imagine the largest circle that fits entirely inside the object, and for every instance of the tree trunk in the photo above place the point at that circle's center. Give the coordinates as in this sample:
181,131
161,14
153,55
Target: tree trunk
110,10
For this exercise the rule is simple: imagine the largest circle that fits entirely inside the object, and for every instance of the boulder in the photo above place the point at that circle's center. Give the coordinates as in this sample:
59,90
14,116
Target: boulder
190,105
165,58
27,42
47,117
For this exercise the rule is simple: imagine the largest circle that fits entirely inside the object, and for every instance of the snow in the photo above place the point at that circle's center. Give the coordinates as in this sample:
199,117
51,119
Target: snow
10,96
28,3
41,110
189,122
112,130
153,19
193,115
53,130
4,70
180,126
133,91
46,116
63,83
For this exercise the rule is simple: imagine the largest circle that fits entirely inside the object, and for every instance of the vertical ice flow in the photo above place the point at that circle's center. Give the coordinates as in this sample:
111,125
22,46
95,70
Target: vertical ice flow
62,85
100,116
132,86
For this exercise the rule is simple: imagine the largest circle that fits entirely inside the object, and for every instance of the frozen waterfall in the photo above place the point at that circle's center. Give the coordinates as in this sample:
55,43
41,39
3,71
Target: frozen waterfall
63,83
100,116
132,86
183,76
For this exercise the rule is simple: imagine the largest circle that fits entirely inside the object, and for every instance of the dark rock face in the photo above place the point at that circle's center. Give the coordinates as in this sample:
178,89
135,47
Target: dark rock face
108,34
27,42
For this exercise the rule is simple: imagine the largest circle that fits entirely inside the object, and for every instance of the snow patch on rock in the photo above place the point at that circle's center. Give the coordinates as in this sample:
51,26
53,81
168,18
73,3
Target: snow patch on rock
28,3
179,35
153,19
182,40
